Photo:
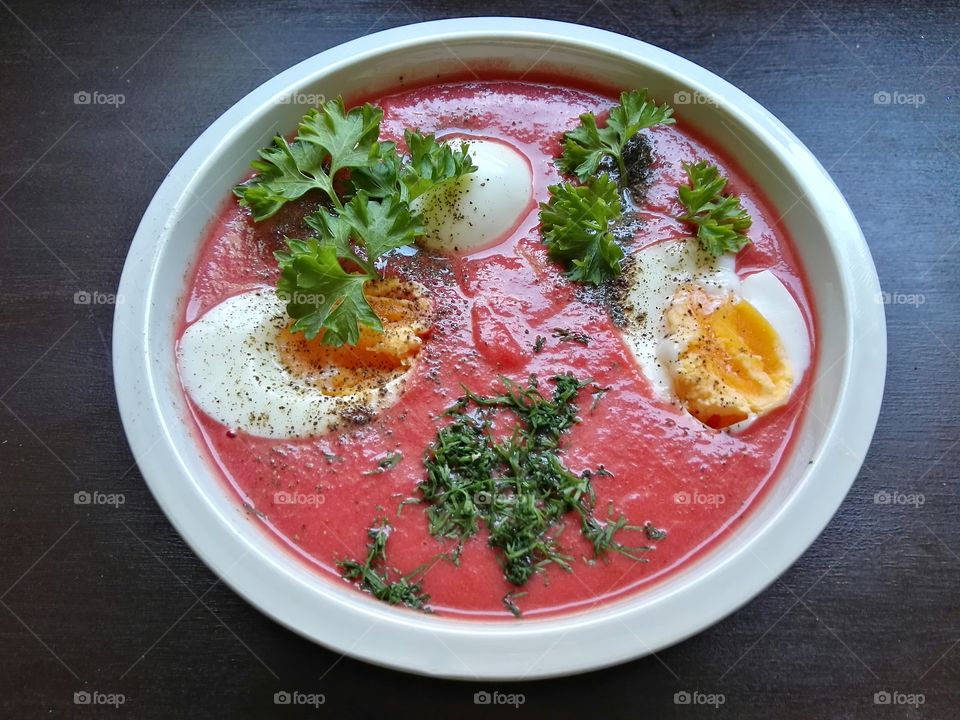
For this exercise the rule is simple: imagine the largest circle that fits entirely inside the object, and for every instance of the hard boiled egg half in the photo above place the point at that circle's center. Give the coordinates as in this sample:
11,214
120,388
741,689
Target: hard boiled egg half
725,348
482,207
243,367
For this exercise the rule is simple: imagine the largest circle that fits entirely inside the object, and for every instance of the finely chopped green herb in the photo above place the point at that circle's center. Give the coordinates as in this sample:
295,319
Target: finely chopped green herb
373,575
517,485
514,484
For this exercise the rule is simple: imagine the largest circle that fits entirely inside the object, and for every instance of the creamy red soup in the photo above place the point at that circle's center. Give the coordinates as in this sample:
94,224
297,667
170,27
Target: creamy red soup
491,305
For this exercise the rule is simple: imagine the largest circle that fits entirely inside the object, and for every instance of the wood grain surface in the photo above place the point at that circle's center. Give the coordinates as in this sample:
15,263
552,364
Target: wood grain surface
110,599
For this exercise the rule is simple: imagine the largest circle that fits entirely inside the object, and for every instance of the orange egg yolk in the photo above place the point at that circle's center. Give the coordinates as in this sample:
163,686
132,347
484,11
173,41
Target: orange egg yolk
731,364
378,357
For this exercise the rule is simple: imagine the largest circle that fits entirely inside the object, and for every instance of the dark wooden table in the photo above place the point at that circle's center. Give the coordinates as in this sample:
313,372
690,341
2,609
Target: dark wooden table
110,600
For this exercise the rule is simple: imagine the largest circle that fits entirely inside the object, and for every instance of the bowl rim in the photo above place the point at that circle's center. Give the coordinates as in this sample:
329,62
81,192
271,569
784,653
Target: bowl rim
344,620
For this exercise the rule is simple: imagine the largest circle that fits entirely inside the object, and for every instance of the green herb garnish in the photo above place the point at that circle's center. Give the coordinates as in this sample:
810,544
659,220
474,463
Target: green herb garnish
366,188
654,533
575,226
539,343
516,486
576,222
586,145
330,139
598,394
321,295
509,604
387,462
720,219
373,575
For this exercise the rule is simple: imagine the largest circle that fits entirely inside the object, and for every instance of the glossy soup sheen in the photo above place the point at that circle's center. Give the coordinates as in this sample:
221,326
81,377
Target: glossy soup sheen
694,482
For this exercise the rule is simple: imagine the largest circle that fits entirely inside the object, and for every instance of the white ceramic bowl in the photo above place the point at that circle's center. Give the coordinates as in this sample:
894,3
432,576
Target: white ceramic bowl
831,447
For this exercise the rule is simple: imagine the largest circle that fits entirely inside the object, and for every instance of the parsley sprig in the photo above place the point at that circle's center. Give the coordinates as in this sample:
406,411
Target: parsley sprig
575,226
586,145
720,219
366,186
576,222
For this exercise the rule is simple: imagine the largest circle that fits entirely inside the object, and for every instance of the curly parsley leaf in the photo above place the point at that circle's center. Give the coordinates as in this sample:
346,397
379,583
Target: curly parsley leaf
432,163
285,172
349,137
575,226
321,295
334,230
330,139
720,219
381,225
585,146
380,179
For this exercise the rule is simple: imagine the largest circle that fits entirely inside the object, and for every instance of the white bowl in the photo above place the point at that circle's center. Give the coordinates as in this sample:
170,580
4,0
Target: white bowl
828,453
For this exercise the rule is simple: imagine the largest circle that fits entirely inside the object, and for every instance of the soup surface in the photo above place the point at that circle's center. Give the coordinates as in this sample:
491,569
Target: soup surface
506,309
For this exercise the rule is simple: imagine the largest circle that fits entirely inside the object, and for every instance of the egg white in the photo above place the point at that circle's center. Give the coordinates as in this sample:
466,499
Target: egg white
653,276
481,207
231,368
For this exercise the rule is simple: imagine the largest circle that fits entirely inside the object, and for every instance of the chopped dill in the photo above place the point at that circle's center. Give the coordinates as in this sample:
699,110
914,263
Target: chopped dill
508,602
516,485
374,576
387,462
654,533
598,396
